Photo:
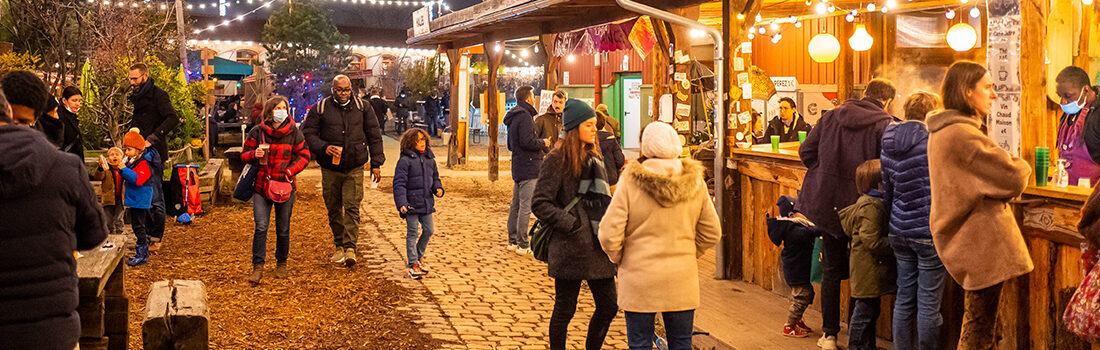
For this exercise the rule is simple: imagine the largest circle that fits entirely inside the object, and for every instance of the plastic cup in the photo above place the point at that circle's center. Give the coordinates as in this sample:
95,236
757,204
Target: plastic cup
339,154
1041,171
775,143
801,137
265,147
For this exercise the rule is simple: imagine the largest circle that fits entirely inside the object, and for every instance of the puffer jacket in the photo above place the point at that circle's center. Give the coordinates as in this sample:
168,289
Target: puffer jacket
137,180
415,181
523,141
907,191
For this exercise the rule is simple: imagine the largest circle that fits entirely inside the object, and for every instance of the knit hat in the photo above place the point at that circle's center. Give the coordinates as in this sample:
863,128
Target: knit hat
575,113
133,139
660,141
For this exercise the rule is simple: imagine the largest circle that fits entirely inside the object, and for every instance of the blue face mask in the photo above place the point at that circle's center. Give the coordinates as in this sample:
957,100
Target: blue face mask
1074,107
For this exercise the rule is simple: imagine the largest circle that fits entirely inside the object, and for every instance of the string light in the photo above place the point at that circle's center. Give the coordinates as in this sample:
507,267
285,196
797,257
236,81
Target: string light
975,12
950,14
417,52
238,18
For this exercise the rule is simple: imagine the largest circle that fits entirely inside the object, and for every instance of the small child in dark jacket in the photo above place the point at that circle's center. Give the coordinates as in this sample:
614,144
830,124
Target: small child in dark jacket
796,235
871,263
415,184
110,188
139,176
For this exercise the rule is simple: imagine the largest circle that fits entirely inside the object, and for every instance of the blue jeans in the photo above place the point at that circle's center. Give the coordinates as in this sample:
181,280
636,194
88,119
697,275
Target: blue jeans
261,214
861,325
678,328
920,291
520,212
414,247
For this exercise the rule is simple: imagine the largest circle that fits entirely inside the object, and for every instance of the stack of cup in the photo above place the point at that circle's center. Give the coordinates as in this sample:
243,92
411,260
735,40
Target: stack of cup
1042,165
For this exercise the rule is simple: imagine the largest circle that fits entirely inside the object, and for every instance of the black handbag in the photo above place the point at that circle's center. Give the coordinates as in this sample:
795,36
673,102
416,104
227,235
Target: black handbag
540,235
246,184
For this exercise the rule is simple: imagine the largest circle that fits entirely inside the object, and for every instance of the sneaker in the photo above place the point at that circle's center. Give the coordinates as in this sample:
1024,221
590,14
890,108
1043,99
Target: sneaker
523,251
423,266
257,274
280,270
338,257
419,270
349,257
794,332
827,342
413,274
513,247
803,326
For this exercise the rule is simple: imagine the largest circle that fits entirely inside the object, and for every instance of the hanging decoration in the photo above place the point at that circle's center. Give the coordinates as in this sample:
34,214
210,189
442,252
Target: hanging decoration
824,48
642,36
861,40
595,39
962,37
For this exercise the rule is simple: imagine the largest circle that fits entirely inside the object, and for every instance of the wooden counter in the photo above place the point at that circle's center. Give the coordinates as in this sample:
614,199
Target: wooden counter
1031,305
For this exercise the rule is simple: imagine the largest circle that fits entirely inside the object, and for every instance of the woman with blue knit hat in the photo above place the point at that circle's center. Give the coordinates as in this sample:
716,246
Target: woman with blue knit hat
571,196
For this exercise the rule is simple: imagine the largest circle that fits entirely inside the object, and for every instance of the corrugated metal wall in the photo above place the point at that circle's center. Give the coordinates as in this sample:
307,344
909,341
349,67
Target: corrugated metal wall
582,70
789,57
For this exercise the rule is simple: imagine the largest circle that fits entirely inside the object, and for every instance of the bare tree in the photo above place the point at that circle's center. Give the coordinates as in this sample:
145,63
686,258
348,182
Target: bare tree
49,29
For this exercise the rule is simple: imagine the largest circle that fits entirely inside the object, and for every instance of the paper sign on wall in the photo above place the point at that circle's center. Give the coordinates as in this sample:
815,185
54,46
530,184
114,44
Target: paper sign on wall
545,98
650,110
746,91
680,76
683,109
565,78
746,47
738,64
742,78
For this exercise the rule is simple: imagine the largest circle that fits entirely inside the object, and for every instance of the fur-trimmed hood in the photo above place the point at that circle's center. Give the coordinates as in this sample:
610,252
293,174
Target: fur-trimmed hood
668,181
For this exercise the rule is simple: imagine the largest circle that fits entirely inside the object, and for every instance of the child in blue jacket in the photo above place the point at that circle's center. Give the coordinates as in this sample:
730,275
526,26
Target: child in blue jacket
796,235
138,177
415,186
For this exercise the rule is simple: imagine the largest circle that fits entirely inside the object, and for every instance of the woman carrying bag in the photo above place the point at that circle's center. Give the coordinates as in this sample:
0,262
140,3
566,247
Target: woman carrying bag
660,221
278,149
573,176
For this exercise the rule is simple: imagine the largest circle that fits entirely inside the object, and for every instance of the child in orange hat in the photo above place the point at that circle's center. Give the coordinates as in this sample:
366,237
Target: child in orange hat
138,195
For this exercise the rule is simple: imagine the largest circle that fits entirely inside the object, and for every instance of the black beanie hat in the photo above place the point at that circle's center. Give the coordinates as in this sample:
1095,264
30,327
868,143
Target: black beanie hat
575,113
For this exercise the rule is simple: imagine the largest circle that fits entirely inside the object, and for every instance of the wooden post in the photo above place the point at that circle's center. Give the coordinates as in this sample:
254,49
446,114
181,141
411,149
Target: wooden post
844,69
659,63
551,68
1036,123
598,57
495,55
454,57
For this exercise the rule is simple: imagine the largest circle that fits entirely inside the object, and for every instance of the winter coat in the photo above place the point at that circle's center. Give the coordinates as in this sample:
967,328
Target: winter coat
574,253
548,126
611,125
612,153
352,126
661,219
797,240
154,116
527,148
776,126
110,187
973,228
71,141
48,209
415,181
138,177
287,156
379,106
906,189
871,264
844,138
53,128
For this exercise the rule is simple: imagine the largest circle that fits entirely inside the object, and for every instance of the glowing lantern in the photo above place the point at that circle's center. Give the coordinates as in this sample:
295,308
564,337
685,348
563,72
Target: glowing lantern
824,48
861,41
962,37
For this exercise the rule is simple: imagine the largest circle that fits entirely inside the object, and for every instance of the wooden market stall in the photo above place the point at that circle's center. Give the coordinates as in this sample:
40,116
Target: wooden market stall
1014,40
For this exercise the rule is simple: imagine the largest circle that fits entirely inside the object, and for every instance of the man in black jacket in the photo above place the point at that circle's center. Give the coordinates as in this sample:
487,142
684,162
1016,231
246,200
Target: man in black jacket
787,124
47,210
155,118
340,131
379,106
527,153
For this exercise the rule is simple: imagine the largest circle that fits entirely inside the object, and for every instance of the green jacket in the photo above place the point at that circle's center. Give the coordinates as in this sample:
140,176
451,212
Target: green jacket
872,265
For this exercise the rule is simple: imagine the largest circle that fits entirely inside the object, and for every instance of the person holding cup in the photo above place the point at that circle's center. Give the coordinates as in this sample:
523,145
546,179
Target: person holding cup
788,124
280,149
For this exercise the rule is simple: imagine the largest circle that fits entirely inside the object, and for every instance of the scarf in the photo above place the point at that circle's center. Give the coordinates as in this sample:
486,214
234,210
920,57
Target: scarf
594,190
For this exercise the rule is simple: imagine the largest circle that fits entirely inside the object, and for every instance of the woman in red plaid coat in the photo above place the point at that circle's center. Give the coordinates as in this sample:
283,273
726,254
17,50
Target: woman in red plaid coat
279,151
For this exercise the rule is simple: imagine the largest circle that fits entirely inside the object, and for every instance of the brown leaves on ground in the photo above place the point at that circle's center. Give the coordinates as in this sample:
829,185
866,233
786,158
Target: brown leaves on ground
320,306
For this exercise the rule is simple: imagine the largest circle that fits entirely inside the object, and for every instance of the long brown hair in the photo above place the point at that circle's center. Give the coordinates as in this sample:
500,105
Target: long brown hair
412,136
962,77
269,107
574,151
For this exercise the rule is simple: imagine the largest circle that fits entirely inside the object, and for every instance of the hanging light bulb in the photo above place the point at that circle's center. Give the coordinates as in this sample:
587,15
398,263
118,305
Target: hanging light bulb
850,18
523,53
809,2
798,24
776,38
536,49
570,58
891,3
1086,2
861,40
762,30
885,8
950,14
824,48
965,1
775,26
821,8
975,12
831,8
740,16
962,37
759,18
871,7
751,36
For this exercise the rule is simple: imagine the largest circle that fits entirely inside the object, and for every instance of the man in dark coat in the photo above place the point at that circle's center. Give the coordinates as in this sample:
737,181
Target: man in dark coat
527,153
844,138
787,124
379,106
154,117
47,210
342,132
548,125
432,110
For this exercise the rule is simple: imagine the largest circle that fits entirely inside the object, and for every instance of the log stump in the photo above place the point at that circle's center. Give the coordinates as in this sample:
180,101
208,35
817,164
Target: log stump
177,316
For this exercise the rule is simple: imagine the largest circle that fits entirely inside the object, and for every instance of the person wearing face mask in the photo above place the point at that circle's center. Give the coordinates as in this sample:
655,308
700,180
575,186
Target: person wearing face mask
343,133
70,104
282,149
1079,127
155,117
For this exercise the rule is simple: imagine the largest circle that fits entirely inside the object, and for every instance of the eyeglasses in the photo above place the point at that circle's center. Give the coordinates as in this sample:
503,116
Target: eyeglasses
342,90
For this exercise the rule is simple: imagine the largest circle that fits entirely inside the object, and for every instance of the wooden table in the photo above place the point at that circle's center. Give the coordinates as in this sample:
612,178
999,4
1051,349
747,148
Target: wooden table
103,308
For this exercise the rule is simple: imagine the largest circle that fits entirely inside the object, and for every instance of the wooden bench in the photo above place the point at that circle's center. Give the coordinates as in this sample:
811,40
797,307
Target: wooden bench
210,180
103,306
176,316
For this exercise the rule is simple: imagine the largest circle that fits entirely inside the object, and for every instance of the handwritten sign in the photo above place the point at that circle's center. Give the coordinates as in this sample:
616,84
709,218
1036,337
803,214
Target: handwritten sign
421,21
545,98
1003,60
738,64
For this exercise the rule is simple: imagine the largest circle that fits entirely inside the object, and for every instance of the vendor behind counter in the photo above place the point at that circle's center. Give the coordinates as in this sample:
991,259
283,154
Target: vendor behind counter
787,124
1079,127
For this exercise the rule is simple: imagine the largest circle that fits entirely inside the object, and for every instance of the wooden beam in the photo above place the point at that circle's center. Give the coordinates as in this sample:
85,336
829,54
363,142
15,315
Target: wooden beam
659,63
490,110
551,68
1034,119
454,57
845,71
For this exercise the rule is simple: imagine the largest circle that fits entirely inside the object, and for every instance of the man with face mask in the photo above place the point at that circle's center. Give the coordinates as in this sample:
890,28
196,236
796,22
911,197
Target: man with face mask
155,117
343,133
1079,127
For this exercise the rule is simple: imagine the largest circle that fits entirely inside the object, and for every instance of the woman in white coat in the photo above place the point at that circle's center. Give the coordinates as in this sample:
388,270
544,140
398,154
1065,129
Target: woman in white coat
661,219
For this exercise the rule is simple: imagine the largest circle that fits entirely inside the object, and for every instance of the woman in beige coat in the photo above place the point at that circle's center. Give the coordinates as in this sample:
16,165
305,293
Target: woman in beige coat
661,219
972,181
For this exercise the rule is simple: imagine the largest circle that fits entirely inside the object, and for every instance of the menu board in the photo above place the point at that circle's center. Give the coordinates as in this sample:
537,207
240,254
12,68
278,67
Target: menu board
1003,62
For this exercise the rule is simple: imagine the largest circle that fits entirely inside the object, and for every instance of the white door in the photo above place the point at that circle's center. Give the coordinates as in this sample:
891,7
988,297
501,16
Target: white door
632,111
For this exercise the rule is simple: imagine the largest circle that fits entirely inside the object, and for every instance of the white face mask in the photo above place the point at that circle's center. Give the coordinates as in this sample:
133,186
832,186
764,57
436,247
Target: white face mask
279,115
